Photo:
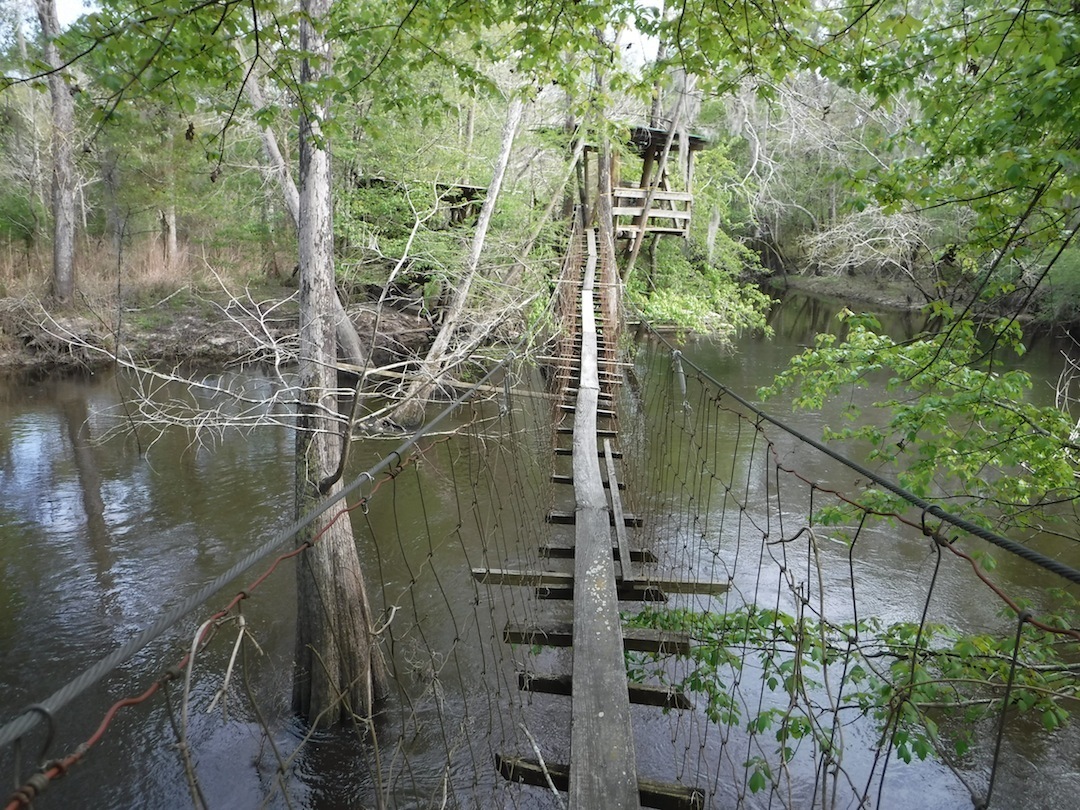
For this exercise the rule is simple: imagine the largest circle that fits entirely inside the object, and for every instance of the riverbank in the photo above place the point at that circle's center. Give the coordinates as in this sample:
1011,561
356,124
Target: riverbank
885,294
184,327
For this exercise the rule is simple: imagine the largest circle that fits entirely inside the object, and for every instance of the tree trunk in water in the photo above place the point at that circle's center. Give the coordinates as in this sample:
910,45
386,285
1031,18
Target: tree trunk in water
410,413
338,665
63,176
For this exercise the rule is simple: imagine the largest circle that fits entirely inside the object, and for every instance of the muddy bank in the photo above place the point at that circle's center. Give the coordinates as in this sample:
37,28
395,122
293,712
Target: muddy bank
182,329
886,294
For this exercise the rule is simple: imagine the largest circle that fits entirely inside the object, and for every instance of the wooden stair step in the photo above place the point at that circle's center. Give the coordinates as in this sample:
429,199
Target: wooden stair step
624,592
568,430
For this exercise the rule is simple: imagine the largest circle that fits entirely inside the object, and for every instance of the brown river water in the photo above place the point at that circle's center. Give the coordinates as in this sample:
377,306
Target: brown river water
100,534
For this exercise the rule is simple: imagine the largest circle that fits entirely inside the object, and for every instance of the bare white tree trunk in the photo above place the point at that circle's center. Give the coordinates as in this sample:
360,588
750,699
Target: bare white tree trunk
337,661
63,175
411,411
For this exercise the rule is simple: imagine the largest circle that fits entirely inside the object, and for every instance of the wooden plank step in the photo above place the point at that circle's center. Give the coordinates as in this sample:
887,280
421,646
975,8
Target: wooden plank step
653,588
624,592
568,430
561,634
569,479
641,694
559,585
569,451
571,362
654,213
637,193
565,551
599,411
651,793
561,517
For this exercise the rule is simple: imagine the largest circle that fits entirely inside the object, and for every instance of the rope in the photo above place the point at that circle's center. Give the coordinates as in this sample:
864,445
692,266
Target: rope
31,716
1011,546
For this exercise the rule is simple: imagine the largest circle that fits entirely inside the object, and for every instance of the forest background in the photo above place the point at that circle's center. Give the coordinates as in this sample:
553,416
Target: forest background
929,150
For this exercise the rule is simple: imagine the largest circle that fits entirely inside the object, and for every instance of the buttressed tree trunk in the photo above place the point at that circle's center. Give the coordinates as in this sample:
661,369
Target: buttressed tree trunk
63,174
338,665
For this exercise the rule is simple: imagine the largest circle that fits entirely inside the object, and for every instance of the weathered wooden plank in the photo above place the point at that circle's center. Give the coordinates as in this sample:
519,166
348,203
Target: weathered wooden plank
639,693
566,551
662,795
603,434
600,412
563,518
569,451
659,587
618,518
569,479
626,591
704,587
511,576
571,362
604,772
561,634
658,194
654,213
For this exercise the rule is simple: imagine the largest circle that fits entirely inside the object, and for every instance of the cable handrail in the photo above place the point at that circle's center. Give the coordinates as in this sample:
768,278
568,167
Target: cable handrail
1011,546
30,716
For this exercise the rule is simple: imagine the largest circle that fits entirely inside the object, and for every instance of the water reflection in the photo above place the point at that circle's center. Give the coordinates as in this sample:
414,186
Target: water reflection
96,539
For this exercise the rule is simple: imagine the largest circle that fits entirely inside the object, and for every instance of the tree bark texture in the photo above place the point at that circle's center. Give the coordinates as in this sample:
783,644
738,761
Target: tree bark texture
63,174
338,664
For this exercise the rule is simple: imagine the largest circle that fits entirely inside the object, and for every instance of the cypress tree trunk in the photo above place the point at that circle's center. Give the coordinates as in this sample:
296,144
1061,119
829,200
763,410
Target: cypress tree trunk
338,665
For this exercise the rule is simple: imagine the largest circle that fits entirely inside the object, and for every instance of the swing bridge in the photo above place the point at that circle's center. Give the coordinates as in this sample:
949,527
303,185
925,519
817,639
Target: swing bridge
620,593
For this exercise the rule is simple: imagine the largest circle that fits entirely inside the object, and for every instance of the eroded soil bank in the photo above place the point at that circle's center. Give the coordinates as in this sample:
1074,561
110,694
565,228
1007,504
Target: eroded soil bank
198,329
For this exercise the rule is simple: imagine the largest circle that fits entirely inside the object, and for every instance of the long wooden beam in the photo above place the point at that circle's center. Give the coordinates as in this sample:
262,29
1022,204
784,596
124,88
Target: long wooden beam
604,772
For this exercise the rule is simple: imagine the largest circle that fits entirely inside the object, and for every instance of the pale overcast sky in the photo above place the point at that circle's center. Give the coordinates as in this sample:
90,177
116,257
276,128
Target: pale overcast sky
70,10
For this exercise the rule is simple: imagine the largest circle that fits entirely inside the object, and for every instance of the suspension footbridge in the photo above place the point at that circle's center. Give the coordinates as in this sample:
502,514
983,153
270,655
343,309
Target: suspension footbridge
624,590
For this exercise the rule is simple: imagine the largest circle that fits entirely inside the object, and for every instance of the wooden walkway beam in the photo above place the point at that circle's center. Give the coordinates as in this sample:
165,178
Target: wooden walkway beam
604,772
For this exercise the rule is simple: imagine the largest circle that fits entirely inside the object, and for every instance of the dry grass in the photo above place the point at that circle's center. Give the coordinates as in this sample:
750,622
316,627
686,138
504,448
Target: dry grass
138,277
